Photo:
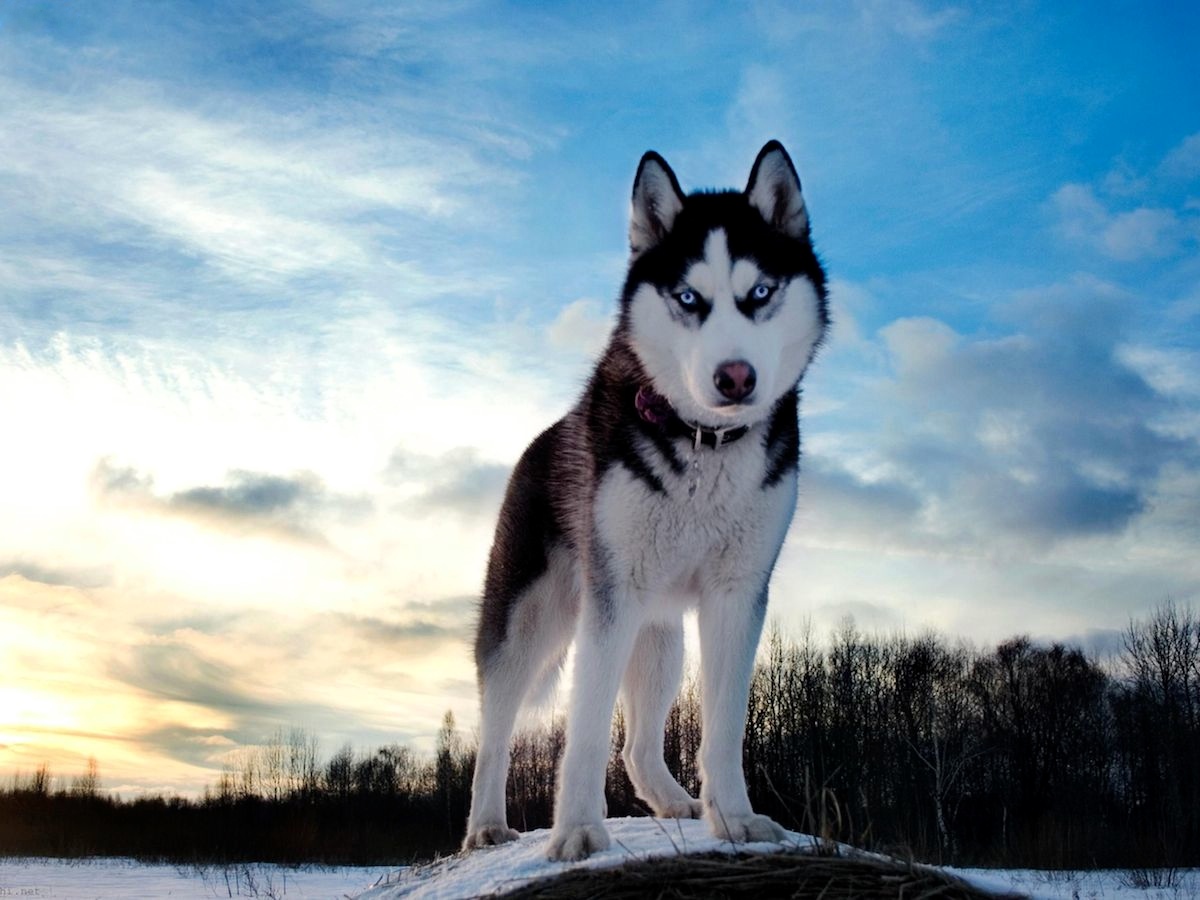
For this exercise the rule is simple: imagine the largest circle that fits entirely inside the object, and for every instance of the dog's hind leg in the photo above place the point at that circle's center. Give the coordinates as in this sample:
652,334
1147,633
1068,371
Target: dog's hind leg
501,690
650,684
538,634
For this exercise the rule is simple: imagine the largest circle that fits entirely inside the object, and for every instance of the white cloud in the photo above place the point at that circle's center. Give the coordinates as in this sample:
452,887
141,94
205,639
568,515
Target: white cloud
1054,432
908,19
1183,160
920,347
849,302
252,191
761,107
1142,233
237,234
582,327
913,21
1171,371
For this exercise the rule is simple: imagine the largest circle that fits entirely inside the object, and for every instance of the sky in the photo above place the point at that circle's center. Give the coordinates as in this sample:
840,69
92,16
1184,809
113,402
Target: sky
285,289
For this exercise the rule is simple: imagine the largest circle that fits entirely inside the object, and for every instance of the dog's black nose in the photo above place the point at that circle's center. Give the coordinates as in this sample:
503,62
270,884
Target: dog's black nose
735,379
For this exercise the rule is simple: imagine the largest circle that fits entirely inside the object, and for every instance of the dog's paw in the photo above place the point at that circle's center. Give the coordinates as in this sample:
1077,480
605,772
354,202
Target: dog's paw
489,836
577,842
680,809
748,829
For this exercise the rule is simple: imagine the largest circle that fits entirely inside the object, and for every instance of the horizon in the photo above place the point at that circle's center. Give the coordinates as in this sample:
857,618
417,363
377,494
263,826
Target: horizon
248,771
287,289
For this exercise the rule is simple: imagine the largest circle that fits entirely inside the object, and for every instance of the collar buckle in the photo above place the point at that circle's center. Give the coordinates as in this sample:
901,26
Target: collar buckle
655,409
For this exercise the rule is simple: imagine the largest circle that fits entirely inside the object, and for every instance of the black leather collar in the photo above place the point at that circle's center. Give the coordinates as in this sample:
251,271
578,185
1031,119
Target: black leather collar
657,410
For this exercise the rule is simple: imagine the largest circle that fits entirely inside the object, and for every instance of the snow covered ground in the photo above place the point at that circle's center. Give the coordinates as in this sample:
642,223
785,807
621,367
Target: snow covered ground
1100,884
487,871
504,868
124,879
495,869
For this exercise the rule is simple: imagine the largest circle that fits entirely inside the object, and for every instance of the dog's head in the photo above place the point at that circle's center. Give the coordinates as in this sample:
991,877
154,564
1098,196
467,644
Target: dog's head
724,303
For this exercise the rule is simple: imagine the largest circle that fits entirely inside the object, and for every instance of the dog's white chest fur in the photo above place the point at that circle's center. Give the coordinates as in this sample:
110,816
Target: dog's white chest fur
713,522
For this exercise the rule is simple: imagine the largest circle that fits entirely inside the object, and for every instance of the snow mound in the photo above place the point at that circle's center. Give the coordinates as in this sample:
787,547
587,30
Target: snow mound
494,870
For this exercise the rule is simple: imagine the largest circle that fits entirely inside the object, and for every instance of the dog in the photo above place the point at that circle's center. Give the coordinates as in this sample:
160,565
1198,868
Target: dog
669,486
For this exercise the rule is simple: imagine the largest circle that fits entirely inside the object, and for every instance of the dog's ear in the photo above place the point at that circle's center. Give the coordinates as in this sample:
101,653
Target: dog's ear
657,200
774,190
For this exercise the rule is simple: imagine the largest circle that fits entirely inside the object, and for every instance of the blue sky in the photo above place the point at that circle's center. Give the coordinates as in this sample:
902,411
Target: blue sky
286,288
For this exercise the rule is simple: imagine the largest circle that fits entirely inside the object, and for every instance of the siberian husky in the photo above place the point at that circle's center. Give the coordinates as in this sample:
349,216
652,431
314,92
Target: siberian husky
669,486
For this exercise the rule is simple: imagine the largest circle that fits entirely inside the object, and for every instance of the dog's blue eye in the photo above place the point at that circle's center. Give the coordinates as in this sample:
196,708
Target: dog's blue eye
762,292
687,299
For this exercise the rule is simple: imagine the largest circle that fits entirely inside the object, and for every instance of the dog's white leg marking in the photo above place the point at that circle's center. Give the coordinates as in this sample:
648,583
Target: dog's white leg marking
730,624
651,682
539,631
608,625
488,821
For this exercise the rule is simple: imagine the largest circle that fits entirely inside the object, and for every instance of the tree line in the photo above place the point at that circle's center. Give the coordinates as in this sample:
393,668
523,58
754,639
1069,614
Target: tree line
1020,755
1024,755
275,802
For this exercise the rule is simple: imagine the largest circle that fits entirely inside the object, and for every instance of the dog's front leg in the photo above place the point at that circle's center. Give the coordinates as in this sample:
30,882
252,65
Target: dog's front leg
608,624
730,624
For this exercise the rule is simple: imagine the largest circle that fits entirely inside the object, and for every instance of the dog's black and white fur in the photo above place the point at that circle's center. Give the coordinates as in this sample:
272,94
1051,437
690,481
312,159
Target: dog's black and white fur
669,486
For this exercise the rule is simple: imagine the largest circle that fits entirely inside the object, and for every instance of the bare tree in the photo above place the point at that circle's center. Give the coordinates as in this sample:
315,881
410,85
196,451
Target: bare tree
936,721
41,781
1158,715
87,784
